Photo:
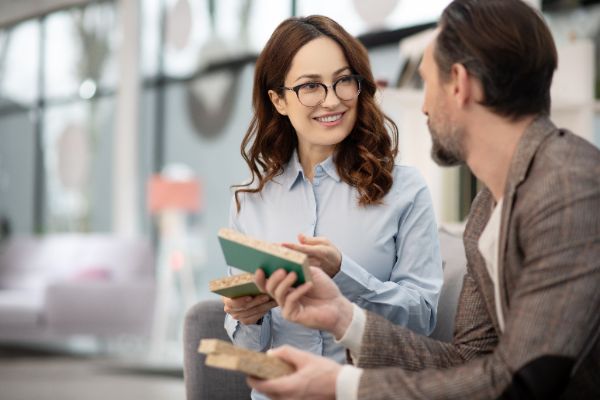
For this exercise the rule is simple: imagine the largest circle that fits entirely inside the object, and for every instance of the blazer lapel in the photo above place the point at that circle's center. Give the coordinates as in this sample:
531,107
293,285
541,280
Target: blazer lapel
478,219
532,138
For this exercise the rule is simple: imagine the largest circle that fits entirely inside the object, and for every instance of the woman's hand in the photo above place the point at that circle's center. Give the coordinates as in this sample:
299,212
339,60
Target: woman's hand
320,251
248,309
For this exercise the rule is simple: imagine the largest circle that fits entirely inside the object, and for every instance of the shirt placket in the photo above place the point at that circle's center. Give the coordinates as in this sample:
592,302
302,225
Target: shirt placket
315,187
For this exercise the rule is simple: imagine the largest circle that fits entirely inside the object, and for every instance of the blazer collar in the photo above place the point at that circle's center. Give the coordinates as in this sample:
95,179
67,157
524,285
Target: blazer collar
534,135
476,223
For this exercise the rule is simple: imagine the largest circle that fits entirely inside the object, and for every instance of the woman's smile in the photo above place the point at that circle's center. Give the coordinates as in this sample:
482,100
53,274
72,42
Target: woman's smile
330,119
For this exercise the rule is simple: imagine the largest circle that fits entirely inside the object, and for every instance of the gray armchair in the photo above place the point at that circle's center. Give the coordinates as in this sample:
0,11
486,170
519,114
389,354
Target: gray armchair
205,320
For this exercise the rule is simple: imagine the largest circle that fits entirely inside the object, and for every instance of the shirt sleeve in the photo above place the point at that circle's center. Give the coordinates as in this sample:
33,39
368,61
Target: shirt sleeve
353,336
254,337
346,384
410,296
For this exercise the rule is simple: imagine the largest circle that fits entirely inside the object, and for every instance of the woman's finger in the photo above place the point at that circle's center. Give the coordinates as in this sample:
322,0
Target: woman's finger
257,311
251,302
302,248
312,240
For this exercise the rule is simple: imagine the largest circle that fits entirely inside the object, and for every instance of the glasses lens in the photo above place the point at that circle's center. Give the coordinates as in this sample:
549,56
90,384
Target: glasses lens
347,88
311,94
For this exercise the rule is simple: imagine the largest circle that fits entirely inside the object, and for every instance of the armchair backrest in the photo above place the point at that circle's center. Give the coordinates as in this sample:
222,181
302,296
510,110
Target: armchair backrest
455,266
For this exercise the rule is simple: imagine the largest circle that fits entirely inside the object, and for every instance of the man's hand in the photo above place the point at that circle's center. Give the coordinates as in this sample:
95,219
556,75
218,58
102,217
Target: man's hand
315,377
318,304
248,310
320,251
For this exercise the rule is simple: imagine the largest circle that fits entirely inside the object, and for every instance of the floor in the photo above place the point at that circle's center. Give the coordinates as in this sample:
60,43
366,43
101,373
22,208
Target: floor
32,374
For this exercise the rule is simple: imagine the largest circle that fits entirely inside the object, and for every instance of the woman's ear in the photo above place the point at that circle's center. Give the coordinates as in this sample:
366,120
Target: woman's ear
278,102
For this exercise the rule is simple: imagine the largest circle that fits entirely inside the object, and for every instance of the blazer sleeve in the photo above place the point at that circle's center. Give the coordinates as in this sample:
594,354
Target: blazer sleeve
552,319
386,344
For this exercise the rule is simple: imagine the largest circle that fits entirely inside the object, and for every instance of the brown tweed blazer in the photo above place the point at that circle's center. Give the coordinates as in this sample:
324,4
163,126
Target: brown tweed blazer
549,270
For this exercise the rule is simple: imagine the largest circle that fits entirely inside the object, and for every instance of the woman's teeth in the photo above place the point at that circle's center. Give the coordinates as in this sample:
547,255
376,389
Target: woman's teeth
330,118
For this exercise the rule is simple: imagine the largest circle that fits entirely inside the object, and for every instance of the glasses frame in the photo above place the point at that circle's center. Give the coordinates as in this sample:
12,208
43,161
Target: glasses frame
297,88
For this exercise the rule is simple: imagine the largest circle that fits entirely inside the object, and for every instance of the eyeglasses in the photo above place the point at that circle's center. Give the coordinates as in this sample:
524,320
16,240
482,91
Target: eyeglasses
311,94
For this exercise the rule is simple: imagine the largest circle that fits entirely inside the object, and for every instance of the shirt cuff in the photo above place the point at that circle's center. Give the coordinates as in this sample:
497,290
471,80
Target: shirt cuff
354,281
352,338
346,384
253,337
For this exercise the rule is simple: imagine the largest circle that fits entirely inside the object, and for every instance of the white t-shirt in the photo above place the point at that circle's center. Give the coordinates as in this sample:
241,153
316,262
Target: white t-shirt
488,246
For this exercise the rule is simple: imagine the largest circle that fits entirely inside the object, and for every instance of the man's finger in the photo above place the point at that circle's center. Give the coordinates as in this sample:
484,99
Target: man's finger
284,287
274,280
260,279
291,355
264,386
295,295
318,274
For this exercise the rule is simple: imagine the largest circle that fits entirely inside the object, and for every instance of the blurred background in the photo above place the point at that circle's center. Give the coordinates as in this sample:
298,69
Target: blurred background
120,127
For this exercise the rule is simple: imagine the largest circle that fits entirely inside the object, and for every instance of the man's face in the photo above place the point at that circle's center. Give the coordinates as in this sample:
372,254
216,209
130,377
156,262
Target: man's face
446,135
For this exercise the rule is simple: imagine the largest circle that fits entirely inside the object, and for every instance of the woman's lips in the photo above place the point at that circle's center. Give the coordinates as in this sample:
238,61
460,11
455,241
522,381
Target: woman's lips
330,119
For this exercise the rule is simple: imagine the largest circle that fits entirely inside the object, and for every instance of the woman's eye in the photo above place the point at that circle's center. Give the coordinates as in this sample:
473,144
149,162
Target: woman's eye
345,80
310,87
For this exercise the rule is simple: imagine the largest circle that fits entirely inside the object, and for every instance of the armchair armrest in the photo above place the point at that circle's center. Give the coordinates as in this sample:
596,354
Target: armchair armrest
203,321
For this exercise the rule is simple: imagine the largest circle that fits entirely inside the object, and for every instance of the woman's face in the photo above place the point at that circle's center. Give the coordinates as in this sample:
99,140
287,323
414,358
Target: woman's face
323,126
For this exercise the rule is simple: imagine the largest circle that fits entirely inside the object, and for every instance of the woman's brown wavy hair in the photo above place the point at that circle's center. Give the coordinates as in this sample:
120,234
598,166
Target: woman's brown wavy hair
364,159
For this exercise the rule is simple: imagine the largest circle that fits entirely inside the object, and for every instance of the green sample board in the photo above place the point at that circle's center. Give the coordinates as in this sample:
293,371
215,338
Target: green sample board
246,289
256,254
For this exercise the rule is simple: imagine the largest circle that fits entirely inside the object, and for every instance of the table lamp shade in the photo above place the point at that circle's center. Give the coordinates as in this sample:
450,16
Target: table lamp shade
166,194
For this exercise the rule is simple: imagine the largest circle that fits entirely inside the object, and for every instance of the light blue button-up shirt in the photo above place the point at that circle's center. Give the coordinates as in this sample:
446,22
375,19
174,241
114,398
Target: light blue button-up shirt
391,262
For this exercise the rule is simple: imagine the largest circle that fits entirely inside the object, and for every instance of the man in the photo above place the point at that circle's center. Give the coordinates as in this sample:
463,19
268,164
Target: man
528,318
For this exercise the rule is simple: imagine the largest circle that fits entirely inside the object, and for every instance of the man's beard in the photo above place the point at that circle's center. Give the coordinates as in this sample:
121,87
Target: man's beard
446,148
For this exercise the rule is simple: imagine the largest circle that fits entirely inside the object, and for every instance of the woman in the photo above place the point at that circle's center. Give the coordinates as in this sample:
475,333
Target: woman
322,164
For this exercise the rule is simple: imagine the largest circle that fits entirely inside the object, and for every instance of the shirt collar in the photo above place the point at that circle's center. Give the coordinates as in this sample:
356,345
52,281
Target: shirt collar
330,168
293,170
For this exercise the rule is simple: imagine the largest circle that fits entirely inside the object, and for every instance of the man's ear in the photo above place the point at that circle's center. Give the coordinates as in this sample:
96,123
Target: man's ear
464,86
278,102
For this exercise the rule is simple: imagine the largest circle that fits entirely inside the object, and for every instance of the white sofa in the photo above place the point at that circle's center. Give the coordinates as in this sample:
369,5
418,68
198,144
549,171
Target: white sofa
55,286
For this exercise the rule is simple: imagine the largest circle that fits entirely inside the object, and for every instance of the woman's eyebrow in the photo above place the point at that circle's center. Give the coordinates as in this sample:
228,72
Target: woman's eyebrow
317,76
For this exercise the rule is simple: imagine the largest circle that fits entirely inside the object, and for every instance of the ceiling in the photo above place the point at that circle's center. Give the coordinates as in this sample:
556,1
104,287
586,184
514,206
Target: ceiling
12,11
